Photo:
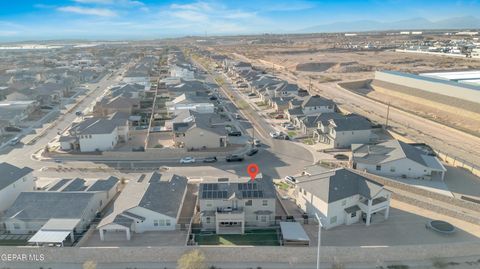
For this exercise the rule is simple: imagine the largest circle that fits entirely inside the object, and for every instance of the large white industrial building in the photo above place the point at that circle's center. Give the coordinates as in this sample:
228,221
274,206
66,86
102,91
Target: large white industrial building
463,91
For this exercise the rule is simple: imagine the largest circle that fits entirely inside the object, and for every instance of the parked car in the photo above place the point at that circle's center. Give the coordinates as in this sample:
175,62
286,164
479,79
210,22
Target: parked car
257,142
274,134
290,127
237,116
279,116
234,158
14,141
235,133
187,160
252,152
290,179
213,98
210,159
251,94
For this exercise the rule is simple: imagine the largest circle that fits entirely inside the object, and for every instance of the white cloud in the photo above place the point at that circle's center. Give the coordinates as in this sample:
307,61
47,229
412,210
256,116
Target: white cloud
103,2
112,2
102,12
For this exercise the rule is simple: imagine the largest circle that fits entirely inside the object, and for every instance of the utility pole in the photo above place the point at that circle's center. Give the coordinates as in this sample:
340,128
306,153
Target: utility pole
388,114
319,237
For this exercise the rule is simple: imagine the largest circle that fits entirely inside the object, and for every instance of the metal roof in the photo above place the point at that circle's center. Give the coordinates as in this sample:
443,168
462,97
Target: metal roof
60,225
49,237
293,231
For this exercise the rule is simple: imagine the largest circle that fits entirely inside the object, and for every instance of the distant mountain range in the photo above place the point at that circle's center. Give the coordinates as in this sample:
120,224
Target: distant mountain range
468,22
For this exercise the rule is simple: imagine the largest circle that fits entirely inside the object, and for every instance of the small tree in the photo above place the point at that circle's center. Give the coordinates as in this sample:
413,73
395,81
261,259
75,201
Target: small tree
192,260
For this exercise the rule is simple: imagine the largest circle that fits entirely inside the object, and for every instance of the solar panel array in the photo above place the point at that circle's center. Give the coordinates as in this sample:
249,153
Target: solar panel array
247,186
252,194
215,194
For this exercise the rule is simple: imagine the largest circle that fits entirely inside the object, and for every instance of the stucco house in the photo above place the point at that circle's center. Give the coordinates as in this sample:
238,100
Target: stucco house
397,159
193,130
54,215
148,204
342,196
229,206
13,181
97,133
344,131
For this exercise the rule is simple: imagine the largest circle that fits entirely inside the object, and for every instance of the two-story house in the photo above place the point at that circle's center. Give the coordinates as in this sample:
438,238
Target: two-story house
230,206
345,131
342,196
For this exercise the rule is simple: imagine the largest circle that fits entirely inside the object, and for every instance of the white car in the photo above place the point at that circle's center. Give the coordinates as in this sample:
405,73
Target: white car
290,179
187,160
290,127
274,134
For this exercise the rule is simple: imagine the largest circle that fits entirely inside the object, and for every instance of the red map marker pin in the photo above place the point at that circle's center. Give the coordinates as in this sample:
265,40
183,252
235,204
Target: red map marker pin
252,170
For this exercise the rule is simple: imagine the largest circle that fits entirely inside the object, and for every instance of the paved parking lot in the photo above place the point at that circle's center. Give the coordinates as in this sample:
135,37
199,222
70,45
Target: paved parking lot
406,226
147,239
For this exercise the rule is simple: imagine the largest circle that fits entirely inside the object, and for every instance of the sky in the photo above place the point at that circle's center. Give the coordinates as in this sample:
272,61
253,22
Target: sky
149,19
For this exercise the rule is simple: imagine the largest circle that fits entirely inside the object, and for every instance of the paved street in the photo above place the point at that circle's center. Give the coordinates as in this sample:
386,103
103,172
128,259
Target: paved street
21,154
419,129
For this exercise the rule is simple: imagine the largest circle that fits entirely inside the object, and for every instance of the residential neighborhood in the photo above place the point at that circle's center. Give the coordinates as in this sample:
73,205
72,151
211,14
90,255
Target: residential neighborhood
258,151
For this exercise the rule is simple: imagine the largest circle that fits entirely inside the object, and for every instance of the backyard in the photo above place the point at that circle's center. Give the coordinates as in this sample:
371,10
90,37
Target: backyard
263,237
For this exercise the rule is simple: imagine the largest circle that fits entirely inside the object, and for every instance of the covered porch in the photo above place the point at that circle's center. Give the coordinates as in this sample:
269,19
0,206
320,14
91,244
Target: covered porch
368,207
55,232
230,221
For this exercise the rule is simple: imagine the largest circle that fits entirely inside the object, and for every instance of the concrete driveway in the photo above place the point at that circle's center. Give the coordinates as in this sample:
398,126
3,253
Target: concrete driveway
406,226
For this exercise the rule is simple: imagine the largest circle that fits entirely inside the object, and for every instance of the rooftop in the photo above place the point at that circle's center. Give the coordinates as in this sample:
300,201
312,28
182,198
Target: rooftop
338,184
11,173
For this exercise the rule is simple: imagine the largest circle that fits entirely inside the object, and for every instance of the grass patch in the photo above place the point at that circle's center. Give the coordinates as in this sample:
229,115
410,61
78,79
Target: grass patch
242,104
292,133
282,185
263,237
308,141
261,103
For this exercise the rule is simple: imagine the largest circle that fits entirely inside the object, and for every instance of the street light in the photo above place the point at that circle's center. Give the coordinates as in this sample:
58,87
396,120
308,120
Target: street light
319,234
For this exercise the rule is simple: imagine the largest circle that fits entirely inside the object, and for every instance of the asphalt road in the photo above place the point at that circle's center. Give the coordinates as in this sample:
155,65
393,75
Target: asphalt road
443,138
21,154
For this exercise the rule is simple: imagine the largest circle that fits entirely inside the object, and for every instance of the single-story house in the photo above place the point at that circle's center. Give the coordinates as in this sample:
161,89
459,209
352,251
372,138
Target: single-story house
148,204
397,159
13,181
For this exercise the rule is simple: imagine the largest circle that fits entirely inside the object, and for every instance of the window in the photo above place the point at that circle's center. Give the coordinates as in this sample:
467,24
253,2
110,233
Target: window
333,220
155,223
378,168
248,203
168,222
263,218
207,220
354,214
24,179
392,169
265,202
344,202
16,226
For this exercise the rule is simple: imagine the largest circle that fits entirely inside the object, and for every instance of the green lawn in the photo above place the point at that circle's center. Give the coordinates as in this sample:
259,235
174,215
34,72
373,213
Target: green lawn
264,237
282,185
